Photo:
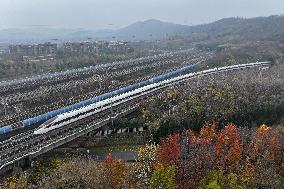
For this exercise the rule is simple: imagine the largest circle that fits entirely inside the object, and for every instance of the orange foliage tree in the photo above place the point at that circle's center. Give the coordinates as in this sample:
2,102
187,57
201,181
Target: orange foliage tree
115,170
169,150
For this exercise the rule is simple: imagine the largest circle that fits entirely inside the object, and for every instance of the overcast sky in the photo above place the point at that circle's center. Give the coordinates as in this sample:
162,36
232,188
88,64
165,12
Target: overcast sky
98,14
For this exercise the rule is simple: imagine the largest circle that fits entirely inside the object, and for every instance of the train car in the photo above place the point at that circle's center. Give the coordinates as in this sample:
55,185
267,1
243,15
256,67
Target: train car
63,119
81,113
6,129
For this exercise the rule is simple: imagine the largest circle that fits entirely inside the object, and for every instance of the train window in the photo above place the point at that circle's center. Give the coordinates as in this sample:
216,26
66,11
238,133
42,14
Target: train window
50,121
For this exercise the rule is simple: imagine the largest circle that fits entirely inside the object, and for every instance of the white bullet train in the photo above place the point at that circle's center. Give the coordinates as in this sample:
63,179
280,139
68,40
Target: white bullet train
86,111
75,115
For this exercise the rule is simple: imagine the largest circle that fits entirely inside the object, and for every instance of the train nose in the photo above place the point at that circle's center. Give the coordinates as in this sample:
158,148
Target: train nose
38,132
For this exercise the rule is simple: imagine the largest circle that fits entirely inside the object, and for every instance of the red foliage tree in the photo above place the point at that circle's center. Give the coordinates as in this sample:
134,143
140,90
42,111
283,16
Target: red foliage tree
219,144
169,150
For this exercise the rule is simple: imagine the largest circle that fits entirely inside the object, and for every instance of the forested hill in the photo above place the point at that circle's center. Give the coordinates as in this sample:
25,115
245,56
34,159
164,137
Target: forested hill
240,29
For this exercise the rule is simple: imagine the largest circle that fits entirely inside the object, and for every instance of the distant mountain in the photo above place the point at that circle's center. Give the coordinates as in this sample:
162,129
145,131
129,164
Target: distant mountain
228,29
150,29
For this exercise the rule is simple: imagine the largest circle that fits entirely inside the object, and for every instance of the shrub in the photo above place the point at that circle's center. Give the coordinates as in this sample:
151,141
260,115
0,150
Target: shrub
76,173
145,164
163,177
15,182
217,180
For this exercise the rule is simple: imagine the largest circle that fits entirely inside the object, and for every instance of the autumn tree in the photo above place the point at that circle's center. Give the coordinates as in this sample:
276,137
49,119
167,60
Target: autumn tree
169,150
115,170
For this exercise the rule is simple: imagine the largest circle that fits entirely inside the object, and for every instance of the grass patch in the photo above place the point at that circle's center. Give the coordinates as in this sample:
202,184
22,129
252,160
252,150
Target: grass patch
121,148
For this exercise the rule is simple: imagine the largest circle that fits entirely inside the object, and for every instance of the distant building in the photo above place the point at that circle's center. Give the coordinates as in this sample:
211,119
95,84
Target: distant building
119,46
40,58
81,47
4,48
33,49
96,47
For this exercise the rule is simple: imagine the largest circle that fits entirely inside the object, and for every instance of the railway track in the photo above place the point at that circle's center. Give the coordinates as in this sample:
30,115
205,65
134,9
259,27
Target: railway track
28,145
50,95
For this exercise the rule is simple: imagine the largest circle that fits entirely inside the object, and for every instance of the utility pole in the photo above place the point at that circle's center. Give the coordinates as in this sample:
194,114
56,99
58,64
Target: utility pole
4,105
111,114
100,81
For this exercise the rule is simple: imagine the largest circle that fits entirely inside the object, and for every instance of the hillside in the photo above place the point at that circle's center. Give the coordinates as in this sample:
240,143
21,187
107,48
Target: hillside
240,29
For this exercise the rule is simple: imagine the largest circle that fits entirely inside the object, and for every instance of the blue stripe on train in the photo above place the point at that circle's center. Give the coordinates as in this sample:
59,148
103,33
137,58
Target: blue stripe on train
5,129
